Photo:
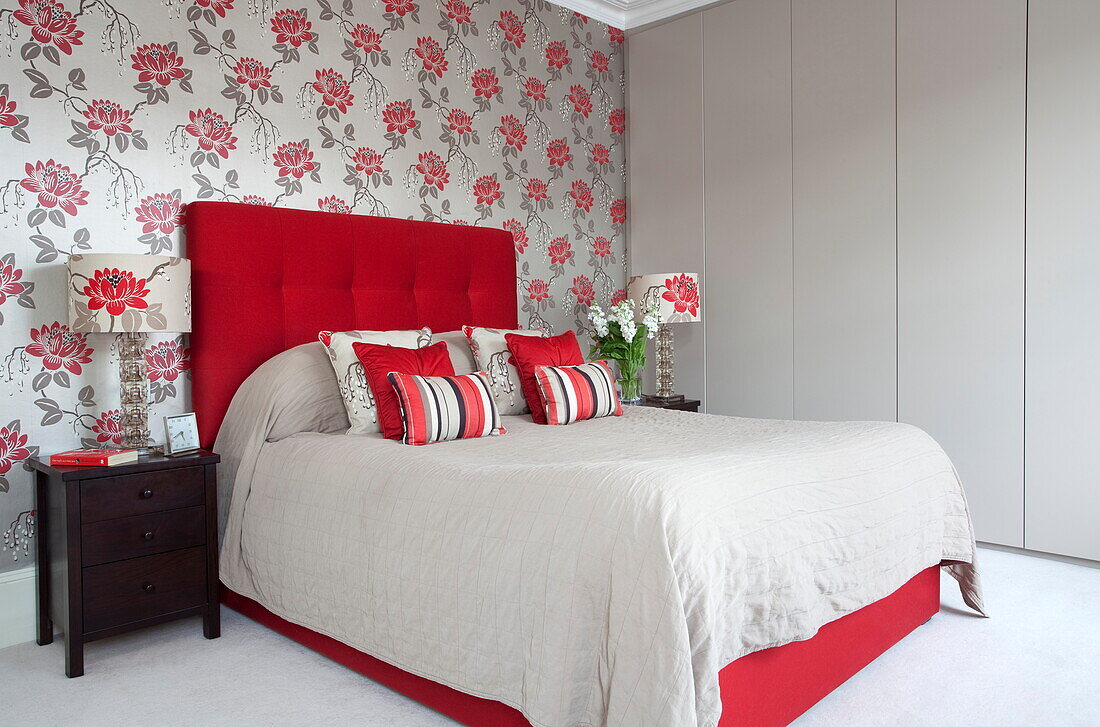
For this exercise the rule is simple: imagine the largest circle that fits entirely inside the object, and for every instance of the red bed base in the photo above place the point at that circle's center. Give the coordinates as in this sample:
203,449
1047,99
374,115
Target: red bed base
764,689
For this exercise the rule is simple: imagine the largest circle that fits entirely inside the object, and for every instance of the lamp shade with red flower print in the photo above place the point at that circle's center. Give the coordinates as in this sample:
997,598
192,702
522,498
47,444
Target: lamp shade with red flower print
123,293
677,295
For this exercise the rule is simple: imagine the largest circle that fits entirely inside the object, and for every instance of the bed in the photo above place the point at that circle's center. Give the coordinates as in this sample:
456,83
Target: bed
713,571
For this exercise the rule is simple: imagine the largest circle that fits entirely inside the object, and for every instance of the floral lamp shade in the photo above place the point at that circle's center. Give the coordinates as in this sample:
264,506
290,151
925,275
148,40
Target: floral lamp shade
126,293
675,294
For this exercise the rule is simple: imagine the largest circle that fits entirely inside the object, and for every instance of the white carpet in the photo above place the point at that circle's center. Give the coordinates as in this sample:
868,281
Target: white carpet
1035,662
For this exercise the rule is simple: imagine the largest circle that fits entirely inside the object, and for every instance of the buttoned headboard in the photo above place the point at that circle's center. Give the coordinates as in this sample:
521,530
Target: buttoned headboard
265,279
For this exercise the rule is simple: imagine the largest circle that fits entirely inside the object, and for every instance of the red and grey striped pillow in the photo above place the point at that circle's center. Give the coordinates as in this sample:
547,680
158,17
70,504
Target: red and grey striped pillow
442,408
572,393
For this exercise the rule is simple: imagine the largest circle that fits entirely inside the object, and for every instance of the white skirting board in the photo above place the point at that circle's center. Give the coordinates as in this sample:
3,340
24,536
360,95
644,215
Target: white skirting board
17,606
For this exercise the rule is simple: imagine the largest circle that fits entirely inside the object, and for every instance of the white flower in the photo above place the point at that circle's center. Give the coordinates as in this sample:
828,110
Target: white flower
599,320
629,328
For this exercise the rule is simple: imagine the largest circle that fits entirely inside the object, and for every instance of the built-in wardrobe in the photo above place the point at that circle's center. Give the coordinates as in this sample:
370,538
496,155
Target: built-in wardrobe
895,206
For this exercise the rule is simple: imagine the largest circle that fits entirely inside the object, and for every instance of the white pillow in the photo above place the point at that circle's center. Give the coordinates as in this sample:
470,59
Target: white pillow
492,356
458,346
356,393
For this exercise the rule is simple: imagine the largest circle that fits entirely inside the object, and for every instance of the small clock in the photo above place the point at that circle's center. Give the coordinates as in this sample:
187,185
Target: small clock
181,434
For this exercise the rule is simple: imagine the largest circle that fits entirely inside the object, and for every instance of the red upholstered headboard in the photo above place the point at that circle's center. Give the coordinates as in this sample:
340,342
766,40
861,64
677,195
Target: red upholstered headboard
265,279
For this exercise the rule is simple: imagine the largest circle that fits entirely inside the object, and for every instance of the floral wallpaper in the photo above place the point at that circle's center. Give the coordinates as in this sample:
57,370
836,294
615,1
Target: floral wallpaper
115,113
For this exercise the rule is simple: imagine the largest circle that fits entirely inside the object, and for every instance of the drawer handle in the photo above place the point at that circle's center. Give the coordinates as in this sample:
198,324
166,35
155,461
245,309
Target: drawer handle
148,535
146,493
148,588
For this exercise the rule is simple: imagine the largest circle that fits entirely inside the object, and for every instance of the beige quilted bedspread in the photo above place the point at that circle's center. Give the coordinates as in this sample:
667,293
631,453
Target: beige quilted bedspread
595,574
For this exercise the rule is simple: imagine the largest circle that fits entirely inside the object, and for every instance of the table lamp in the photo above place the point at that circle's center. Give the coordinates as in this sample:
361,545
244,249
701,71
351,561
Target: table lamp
676,296
131,295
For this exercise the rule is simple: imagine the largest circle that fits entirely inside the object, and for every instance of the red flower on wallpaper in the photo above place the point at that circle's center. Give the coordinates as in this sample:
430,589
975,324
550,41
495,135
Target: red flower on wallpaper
55,184
291,26
559,250
256,200
13,448
366,38
537,189
581,17
485,83
9,280
557,153
618,211
582,290
459,121
400,7
213,132
432,54
615,35
581,100
519,234
513,131
557,55
50,22
582,195
512,27
683,292
108,427
218,6
399,116
334,90
486,189
157,62
109,116
7,112
166,360
434,170
538,290
617,121
458,11
59,347
116,290
600,155
333,204
294,159
250,72
534,89
601,246
161,212
599,61
618,296
367,161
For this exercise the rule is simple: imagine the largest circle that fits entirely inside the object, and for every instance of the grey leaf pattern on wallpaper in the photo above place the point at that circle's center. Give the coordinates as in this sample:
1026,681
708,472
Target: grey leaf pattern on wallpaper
116,113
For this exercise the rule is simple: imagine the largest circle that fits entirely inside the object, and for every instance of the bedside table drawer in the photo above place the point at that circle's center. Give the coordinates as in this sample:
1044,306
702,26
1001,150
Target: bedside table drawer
131,590
116,497
128,537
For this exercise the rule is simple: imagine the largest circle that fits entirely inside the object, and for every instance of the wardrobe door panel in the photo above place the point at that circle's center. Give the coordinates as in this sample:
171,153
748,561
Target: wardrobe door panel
845,346
665,124
747,137
1062,473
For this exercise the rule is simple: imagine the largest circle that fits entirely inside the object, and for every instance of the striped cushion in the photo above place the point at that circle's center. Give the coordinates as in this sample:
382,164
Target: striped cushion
441,408
573,393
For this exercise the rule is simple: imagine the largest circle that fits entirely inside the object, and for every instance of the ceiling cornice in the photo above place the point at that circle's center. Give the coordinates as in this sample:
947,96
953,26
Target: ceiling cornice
632,14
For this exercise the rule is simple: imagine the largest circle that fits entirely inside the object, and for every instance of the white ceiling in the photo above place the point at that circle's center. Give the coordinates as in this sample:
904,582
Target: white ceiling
628,14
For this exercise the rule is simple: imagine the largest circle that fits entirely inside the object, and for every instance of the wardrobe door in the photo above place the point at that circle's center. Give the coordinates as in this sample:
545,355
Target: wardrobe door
845,347
1062,436
665,124
961,147
747,137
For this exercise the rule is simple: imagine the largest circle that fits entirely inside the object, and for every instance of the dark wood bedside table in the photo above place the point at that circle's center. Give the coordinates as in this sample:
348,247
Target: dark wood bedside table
685,405
124,547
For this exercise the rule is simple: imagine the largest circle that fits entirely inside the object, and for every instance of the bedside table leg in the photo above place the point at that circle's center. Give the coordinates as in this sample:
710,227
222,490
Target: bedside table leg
212,621
74,656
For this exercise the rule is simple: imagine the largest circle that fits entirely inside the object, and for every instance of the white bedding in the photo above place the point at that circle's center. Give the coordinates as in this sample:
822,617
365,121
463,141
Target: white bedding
596,574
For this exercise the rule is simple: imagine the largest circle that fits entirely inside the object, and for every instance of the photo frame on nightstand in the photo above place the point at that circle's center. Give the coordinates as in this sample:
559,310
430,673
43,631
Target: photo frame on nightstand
181,434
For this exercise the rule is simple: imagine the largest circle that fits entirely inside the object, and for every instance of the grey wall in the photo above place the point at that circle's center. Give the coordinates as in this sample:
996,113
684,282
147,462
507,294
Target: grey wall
895,194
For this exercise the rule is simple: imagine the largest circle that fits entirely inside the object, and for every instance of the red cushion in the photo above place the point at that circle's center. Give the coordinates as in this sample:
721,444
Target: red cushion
531,351
379,360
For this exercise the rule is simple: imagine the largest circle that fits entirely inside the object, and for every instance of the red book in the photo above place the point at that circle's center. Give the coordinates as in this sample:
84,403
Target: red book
94,457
